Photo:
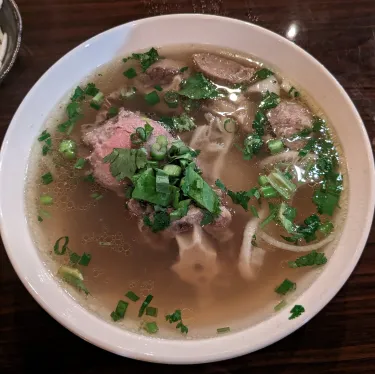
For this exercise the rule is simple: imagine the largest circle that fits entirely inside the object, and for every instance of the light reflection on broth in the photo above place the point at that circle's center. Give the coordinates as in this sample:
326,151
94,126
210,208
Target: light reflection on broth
122,260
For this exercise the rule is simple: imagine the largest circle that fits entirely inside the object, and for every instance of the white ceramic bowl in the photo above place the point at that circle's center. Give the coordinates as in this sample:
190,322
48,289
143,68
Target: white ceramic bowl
159,31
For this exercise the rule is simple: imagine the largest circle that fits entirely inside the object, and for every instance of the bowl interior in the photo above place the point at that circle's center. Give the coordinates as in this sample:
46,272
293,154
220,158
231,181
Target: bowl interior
10,23
291,61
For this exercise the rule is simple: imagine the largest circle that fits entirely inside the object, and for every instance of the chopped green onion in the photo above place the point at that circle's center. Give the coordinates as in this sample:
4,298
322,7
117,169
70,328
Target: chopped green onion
151,311
47,178
158,152
280,305
151,327
74,257
112,112
174,317
171,98
275,146
130,73
91,89
64,246
96,196
282,184
46,200
74,277
158,88
85,259
132,296
230,125
80,163
269,192
183,69
97,101
223,330
296,311
285,287
254,211
105,243
270,100
44,136
68,149
172,170
152,98
263,73
273,213
144,305
40,219
120,310
263,180
293,92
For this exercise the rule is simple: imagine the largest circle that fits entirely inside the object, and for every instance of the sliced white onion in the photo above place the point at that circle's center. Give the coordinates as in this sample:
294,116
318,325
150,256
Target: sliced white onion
269,84
294,248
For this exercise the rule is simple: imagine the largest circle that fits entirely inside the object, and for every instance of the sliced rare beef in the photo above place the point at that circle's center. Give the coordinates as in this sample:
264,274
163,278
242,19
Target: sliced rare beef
288,119
221,69
115,133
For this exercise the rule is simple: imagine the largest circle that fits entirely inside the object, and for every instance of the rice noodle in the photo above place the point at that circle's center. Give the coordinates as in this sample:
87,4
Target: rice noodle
269,84
250,258
294,248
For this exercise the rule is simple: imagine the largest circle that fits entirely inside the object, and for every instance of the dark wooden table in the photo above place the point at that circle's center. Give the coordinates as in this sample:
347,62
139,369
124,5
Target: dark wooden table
339,33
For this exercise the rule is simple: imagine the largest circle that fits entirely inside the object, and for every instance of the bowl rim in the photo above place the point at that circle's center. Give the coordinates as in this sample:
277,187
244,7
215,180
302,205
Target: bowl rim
19,24
200,350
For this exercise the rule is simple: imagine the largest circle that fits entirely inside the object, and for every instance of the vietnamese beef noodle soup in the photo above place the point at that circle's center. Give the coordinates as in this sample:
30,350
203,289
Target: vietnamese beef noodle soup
186,192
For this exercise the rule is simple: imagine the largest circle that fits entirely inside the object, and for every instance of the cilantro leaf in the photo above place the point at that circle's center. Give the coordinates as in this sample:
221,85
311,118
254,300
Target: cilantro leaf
270,100
179,123
285,287
327,197
198,87
197,189
207,218
160,221
174,317
125,162
296,311
252,145
183,328
263,73
260,122
145,190
311,259
146,59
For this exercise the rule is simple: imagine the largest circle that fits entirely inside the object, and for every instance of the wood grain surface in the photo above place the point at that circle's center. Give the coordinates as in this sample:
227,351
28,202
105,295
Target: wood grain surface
340,34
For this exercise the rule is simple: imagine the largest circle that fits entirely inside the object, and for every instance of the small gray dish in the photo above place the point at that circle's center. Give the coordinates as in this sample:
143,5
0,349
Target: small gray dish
11,24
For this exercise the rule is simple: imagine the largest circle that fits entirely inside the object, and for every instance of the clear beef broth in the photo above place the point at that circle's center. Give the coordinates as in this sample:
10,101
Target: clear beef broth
122,261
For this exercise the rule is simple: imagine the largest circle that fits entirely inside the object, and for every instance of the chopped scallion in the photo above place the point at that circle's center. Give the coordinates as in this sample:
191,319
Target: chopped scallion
130,73
144,305
172,170
151,327
47,178
152,98
85,259
158,88
285,287
223,330
275,146
120,310
112,112
96,196
46,200
263,180
296,311
280,305
68,149
80,163
64,246
171,98
132,296
269,192
151,311
97,101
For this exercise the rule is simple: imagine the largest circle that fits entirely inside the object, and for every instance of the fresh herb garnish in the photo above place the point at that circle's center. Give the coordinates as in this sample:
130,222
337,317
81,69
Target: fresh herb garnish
144,305
241,197
119,312
125,162
158,88
74,277
132,296
207,218
270,100
112,112
46,200
285,287
89,178
198,87
183,69
177,317
152,98
68,149
280,305
223,330
80,163
252,145
296,311
260,122
151,327
96,196
282,184
263,73
293,92
64,246
91,90
151,311
273,208
327,197
130,73
97,101
194,186
47,178
179,123
160,221
314,258
146,59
